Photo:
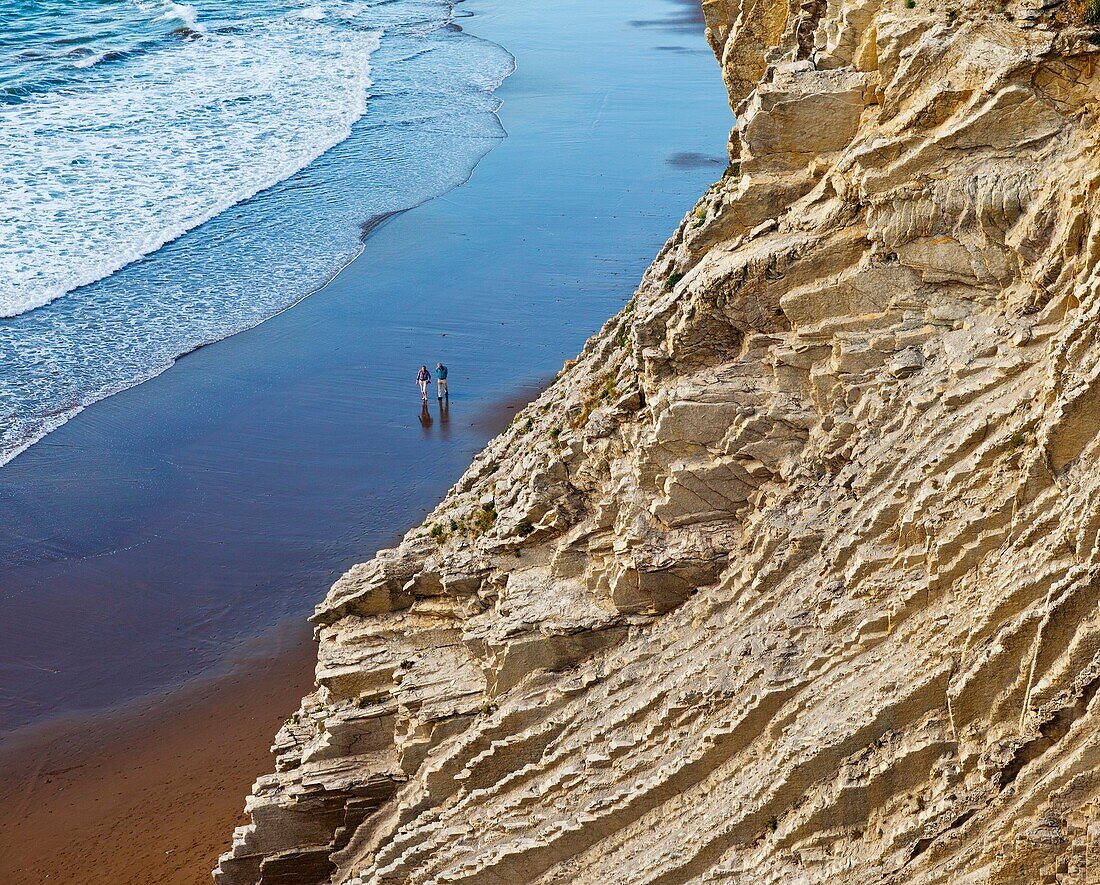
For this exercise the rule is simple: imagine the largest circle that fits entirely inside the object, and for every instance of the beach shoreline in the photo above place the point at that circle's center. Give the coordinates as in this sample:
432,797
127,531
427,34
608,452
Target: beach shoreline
194,264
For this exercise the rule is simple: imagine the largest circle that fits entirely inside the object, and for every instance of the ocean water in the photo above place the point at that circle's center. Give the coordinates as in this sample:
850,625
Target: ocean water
175,173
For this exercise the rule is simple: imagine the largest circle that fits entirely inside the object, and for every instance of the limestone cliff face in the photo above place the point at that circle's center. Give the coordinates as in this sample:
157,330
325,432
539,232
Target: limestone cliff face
793,576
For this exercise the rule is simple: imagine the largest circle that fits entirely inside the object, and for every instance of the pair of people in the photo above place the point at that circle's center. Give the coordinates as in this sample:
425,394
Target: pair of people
424,378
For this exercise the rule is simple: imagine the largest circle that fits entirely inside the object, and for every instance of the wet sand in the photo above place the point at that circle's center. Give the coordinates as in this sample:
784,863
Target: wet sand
150,793
496,416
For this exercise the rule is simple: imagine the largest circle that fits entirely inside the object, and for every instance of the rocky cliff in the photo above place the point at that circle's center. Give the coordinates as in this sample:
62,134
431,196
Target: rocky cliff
793,576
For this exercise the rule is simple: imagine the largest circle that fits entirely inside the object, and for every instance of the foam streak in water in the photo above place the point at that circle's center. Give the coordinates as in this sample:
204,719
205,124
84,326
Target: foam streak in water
100,174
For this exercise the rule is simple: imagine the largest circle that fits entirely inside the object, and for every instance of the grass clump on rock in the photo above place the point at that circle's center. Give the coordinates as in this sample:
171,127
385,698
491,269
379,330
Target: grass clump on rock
484,519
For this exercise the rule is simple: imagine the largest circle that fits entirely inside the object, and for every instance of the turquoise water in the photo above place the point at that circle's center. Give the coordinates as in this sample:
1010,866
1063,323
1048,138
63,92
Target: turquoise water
174,173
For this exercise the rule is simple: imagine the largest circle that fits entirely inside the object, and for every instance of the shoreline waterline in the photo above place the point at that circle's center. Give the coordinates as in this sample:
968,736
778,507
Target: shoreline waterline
261,255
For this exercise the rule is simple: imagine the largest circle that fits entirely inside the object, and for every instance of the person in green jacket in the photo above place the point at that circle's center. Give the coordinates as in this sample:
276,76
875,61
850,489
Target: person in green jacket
441,380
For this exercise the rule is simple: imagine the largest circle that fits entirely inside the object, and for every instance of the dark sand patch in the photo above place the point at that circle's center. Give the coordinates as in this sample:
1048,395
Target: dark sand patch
694,160
682,50
688,16
500,414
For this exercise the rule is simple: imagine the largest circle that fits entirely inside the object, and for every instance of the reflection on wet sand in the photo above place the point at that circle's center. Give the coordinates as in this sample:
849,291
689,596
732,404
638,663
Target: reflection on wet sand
426,420
445,416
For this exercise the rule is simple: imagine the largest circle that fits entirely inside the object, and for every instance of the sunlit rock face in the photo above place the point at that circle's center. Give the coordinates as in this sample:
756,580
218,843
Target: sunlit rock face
793,576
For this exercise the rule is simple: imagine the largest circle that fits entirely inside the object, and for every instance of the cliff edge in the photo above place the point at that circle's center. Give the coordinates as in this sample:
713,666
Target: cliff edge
793,575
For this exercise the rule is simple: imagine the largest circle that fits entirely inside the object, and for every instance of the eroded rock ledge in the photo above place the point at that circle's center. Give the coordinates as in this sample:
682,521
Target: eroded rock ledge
793,575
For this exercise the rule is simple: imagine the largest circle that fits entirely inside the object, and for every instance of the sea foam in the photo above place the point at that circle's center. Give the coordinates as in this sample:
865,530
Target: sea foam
134,154
164,129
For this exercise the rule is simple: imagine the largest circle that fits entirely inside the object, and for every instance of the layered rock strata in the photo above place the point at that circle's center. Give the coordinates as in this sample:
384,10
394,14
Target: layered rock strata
793,576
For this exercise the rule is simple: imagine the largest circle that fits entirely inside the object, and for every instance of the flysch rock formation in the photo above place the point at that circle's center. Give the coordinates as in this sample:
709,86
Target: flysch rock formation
793,575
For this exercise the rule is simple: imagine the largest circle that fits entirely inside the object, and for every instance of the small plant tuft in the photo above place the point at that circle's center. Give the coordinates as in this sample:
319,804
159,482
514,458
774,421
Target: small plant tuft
524,529
672,280
370,698
910,4
1090,12
484,519
773,824
1017,439
609,390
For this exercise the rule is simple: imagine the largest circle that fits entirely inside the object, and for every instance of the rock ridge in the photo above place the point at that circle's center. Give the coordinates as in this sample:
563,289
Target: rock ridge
793,574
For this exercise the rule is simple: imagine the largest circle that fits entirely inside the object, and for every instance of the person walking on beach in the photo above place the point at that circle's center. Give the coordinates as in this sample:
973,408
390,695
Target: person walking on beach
423,378
441,379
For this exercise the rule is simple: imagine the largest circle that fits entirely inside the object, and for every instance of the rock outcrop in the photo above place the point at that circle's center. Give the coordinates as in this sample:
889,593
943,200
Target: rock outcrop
793,576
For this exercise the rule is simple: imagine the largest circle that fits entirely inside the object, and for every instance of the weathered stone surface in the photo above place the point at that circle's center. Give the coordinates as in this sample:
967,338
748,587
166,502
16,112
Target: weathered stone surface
794,575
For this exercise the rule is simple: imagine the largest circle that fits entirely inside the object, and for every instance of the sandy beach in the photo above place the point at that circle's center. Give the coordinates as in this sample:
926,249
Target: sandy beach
148,793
